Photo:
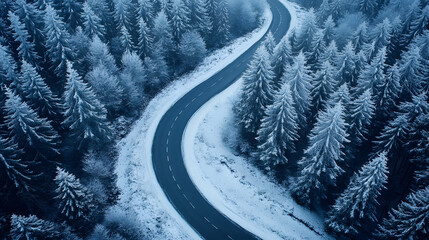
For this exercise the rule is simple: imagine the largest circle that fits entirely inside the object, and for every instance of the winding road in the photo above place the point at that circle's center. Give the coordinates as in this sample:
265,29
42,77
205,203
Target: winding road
167,144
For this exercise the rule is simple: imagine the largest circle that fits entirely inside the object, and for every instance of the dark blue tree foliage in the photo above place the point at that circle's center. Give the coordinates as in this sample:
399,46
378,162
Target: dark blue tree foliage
106,59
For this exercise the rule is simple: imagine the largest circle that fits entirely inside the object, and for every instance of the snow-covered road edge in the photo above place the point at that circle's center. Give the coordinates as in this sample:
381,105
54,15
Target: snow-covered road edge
216,158
141,196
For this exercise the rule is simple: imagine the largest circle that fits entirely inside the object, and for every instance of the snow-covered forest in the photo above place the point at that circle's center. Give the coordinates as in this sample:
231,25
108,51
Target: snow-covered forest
74,75
339,113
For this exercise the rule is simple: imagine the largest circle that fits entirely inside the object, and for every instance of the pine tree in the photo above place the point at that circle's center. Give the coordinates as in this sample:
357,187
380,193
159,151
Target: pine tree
180,19
410,71
346,62
85,116
319,166
257,91
31,16
147,11
282,57
92,23
199,17
102,8
33,134
317,49
337,8
133,80
8,75
121,14
278,131
324,11
38,95
106,87
26,49
14,171
419,24
382,34
390,91
192,49
328,30
99,54
393,135
32,227
71,12
410,220
126,40
372,76
330,54
144,45
367,7
324,84
360,37
305,34
162,36
361,113
359,201
411,16
75,202
57,41
269,43
221,31
342,94
298,75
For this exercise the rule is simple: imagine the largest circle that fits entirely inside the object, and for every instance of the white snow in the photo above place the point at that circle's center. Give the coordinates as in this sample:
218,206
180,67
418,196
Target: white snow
141,198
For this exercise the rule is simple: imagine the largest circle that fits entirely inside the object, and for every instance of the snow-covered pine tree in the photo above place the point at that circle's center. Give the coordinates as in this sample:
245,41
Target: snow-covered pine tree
14,171
121,14
410,71
410,220
8,67
360,37
298,75
359,201
329,30
346,62
282,57
162,36
37,94
330,54
192,49
342,94
382,34
71,12
306,32
278,131
269,43
319,166
393,134
199,17
32,227
147,11
85,115
102,9
75,202
372,76
179,20
57,41
337,9
361,114
316,50
133,80
144,45
92,23
32,17
106,87
99,54
257,91
418,25
221,31
33,134
407,21
127,43
26,49
367,7
324,11
390,91
323,85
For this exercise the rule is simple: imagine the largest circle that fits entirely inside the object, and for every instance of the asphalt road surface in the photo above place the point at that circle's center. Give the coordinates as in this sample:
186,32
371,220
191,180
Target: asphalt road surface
167,155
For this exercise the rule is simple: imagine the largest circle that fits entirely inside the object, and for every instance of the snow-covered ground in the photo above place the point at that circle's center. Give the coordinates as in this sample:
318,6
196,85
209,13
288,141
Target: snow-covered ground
141,198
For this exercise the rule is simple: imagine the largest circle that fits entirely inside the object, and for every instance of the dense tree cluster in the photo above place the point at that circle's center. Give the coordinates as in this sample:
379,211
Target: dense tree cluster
343,109
71,70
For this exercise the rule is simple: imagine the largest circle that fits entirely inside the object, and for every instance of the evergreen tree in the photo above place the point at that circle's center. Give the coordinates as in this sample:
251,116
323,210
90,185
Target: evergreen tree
38,95
410,71
324,11
360,37
411,16
342,94
298,75
199,17
361,113
329,30
102,8
221,31
33,134
319,166
85,116
269,43
106,87
121,14
147,11
31,16
372,76
133,80
99,54
71,11
324,84
346,62
192,49
8,75
26,49
368,7
14,171
126,40
410,220
419,24
282,57
382,34
359,201
330,54
317,49
162,36
337,9
257,91
179,20
390,91
32,227
393,134
305,34
144,45
278,130
75,202
92,23
57,41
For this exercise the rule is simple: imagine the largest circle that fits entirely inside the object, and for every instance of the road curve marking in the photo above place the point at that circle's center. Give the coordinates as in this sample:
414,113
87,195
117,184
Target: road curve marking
207,220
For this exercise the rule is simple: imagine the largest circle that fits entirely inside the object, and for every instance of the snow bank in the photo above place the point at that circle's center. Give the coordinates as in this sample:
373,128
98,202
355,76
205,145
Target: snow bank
234,186
141,196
